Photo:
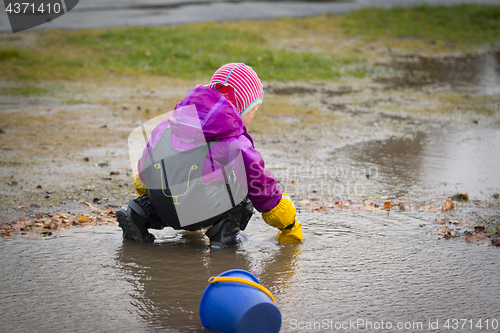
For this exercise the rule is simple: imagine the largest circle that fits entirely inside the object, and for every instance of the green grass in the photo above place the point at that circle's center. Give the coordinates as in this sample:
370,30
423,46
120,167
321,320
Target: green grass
25,90
471,24
188,52
75,101
194,51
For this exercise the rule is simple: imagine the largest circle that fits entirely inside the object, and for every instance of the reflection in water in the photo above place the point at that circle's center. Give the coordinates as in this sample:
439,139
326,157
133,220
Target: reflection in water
441,162
398,161
170,276
481,71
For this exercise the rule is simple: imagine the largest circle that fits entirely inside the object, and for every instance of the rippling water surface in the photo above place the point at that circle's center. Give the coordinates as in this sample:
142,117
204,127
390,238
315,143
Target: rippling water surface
366,266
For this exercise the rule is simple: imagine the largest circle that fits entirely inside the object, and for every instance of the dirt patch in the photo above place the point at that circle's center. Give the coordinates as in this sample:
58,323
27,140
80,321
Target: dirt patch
307,89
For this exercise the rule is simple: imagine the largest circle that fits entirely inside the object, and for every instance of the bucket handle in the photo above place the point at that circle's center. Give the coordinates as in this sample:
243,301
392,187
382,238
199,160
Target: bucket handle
214,279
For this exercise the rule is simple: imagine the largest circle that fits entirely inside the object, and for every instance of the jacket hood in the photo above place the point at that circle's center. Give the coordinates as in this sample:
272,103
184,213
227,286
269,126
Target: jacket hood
204,115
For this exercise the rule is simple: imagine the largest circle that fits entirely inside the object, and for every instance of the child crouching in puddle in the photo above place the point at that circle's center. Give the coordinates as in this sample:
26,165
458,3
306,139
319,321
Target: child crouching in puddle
200,168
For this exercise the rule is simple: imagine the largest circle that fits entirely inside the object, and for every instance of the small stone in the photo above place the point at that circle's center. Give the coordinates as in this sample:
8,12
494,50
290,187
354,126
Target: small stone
114,173
496,195
39,186
101,165
103,126
475,121
86,159
47,196
12,183
433,42
138,107
2,131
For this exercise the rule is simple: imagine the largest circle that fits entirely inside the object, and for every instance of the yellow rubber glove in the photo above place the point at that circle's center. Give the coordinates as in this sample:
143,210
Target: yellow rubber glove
140,187
281,217
292,235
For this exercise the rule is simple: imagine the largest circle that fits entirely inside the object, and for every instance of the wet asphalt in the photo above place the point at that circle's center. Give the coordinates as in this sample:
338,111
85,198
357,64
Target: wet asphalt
110,13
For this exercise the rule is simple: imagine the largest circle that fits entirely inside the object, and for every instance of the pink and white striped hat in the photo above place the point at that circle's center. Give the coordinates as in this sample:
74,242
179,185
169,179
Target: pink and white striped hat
240,84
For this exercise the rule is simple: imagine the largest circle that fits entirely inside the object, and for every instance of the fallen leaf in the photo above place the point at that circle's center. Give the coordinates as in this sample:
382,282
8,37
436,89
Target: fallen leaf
53,226
387,205
478,228
476,238
460,197
7,233
83,218
448,205
444,231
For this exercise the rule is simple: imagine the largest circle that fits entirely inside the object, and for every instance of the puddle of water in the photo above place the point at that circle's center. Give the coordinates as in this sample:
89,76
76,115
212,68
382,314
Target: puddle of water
351,267
480,71
438,162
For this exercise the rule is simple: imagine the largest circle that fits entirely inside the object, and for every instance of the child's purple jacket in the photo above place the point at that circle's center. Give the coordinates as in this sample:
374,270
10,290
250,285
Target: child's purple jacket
219,121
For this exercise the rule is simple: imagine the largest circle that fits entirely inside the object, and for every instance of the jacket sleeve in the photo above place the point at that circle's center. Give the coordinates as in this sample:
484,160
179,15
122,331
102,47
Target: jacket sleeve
262,185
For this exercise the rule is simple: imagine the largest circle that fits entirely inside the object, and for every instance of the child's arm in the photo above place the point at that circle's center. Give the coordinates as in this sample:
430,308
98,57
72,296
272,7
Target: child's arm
276,207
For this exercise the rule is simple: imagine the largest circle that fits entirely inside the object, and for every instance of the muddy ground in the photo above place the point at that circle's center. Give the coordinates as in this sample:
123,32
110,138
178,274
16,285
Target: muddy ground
64,155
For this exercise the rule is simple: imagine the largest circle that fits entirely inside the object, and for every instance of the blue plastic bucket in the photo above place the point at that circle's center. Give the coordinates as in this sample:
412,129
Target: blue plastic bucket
230,307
